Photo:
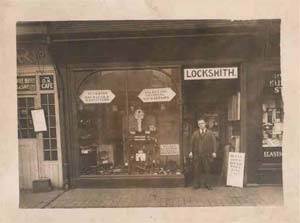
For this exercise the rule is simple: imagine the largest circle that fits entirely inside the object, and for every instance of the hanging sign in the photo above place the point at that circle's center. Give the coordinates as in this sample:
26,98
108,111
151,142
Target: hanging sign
39,121
97,96
169,149
26,83
157,95
235,171
46,82
273,84
211,73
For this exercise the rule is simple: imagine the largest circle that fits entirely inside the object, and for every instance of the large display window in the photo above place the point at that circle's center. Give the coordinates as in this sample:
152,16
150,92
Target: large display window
128,123
272,119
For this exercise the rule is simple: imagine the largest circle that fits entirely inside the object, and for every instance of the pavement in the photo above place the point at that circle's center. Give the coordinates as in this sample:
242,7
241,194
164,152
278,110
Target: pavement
153,197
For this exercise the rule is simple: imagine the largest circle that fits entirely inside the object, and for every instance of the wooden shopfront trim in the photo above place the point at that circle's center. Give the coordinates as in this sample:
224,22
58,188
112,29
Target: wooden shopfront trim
47,168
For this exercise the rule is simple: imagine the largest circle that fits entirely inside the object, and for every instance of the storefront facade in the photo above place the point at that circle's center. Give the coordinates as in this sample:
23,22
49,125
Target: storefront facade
130,93
39,152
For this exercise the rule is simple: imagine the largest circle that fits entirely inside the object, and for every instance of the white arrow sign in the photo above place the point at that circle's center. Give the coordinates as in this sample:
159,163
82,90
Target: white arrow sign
97,96
156,95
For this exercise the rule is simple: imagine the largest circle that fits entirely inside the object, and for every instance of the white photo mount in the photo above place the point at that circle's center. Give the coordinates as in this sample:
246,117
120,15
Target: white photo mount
39,120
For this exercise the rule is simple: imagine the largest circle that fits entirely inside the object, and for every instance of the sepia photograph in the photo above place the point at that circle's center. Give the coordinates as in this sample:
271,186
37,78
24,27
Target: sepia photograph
149,113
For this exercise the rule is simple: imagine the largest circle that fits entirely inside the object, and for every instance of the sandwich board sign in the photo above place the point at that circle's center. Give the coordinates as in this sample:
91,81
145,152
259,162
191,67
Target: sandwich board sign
235,170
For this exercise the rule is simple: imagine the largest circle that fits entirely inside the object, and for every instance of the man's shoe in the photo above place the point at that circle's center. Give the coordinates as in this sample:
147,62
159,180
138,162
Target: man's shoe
209,187
196,187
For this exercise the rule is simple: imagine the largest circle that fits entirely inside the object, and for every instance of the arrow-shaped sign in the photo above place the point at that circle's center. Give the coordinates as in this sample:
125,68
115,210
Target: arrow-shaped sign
156,95
97,96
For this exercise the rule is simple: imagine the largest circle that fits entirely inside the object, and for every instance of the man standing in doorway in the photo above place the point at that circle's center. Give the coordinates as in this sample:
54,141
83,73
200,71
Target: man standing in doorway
203,151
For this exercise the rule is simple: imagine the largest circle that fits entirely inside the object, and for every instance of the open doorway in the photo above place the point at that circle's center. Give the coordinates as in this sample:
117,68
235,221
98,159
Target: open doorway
218,101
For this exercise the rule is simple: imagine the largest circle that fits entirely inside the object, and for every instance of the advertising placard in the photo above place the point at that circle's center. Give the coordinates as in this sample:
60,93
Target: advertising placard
97,96
27,83
39,121
169,149
235,171
157,95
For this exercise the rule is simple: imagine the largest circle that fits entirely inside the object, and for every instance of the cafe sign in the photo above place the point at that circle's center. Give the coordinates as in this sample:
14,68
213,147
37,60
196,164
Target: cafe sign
46,82
97,96
27,83
156,95
211,73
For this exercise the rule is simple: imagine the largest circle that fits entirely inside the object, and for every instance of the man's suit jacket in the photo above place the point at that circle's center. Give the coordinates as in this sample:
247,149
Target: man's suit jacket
203,145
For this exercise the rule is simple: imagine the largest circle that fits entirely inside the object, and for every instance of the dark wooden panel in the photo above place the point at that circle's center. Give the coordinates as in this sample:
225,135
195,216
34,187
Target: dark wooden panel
254,119
160,50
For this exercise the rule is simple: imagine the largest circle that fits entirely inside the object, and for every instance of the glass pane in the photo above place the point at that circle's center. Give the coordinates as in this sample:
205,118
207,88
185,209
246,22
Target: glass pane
21,102
47,155
23,123
112,142
30,102
53,155
31,133
23,112
52,121
30,123
53,132
46,144
53,144
51,99
51,110
46,134
23,134
44,99
45,107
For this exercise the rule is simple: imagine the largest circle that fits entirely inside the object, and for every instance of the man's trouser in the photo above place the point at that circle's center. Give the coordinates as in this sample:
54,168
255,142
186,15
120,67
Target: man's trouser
202,172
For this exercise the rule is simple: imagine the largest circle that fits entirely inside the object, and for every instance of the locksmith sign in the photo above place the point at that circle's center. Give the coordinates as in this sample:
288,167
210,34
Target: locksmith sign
211,73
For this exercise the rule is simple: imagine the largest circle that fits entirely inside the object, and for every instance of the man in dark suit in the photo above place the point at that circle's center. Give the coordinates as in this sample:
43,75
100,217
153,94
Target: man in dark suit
203,151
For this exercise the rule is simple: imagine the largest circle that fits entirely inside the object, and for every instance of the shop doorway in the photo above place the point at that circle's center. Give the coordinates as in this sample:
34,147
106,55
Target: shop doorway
218,101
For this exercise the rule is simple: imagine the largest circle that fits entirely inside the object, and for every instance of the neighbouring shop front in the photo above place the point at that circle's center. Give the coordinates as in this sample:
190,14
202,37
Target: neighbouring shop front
130,96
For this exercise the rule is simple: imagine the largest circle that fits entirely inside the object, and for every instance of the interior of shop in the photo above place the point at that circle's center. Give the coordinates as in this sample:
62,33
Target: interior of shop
218,101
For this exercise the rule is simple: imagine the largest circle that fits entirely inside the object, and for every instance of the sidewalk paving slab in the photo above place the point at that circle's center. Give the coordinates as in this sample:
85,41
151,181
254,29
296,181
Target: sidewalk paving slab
154,197
28,199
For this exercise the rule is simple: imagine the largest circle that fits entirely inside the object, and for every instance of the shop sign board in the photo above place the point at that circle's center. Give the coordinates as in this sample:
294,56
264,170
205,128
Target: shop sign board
211,73
156,95
169,149
97,96
235,171
39,121
27,83
46,82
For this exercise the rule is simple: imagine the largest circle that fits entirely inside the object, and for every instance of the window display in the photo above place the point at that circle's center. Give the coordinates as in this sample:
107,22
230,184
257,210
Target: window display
126,133
272,112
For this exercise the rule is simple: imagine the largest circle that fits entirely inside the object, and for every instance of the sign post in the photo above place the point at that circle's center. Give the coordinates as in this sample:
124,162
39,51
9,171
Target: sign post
235,171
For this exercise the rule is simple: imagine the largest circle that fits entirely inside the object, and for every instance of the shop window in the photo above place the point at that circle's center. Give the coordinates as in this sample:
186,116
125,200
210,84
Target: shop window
25,124
49,136
136,131
272,122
